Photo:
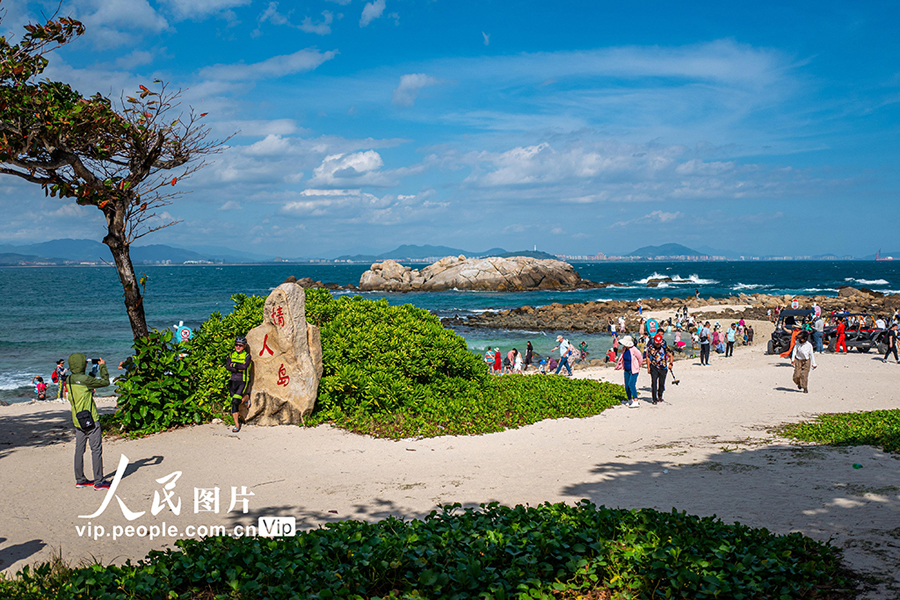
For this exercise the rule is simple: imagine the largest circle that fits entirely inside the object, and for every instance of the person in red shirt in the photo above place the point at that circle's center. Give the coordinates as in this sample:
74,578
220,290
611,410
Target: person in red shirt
841,337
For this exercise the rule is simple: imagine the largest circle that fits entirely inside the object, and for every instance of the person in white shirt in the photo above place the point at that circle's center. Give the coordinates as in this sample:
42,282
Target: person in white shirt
565,351
802,358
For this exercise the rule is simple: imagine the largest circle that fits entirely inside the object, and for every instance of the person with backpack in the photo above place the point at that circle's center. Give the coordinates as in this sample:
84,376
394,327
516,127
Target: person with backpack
86,419
59,376
40,388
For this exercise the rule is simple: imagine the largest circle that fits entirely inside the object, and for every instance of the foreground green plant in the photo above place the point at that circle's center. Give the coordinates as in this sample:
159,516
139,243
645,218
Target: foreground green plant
491,552
873,428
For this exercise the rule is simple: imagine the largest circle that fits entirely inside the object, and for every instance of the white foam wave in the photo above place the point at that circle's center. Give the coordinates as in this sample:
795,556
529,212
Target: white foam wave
820,289
867,281
748,286
13,381
889,291
677,279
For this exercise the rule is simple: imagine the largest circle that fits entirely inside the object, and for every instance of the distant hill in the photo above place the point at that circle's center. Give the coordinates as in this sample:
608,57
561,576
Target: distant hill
408,251
67,250
664,250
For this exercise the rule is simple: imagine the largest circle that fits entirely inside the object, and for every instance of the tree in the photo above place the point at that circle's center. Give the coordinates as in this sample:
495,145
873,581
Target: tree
123,159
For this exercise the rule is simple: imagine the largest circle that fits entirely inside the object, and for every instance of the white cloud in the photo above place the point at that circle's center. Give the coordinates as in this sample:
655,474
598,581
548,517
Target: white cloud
487,38
231,205
323,28
358,168
277,66
410,85
371,11
657,217
135,59
112,23
197,10
341,2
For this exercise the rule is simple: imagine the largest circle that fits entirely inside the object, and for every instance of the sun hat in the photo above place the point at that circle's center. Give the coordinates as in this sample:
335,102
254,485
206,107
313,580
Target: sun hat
627,341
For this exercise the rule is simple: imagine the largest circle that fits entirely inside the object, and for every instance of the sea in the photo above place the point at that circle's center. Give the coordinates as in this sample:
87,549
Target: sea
46,313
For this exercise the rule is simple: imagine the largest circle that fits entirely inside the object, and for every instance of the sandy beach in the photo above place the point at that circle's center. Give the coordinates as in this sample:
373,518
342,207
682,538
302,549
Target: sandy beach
707,450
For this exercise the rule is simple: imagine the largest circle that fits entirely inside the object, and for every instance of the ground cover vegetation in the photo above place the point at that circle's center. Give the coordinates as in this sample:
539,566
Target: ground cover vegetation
544,552
389,371
872,428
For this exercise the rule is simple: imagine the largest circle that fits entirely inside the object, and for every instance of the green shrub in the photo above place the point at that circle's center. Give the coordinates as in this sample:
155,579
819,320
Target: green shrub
155,392
213,342
491,552
389,371
873,428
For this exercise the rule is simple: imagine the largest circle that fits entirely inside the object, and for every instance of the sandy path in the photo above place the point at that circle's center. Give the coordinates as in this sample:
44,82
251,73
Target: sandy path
706,450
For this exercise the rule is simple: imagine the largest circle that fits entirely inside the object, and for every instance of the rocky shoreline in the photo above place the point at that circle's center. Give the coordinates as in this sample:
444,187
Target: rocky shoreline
591,317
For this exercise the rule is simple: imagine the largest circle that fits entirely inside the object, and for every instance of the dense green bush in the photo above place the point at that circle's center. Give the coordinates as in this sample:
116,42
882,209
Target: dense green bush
209,349
873,428
155,392
389,371
492,552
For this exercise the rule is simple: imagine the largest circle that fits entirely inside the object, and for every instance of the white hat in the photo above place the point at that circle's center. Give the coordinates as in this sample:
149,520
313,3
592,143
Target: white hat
627,341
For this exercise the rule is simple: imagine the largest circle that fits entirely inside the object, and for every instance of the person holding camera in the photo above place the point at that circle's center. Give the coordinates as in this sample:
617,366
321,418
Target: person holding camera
86,418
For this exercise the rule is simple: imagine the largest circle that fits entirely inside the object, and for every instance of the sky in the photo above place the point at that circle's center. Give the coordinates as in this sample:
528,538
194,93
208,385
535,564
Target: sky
576,127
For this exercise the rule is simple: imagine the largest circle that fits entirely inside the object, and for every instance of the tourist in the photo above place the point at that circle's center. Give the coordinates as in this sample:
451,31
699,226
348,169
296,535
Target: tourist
612,326
529,355
802,357
543,366
890,338
697,293
705,339
517,361
59,376
565,351
630,363
40,388
640,308
658,359
818,335
241,368
729,340
679,345
498,356
610,355
86,419
583,348
749,334
510,360
622,325
841,336
488,357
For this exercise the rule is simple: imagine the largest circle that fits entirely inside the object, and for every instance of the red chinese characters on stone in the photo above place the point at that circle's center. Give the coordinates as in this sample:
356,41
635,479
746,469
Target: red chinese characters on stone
278,315
266,346
283,378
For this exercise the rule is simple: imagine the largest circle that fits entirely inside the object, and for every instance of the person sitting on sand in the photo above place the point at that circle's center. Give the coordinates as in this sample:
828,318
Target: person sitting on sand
40,388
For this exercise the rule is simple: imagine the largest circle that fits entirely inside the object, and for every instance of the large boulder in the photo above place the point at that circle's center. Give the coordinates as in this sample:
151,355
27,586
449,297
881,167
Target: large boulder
287,360
458,272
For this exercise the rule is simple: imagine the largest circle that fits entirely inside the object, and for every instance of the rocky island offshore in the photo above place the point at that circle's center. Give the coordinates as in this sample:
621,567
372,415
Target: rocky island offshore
496,274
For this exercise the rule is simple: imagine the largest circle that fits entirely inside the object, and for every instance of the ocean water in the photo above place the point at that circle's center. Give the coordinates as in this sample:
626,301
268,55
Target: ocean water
46,313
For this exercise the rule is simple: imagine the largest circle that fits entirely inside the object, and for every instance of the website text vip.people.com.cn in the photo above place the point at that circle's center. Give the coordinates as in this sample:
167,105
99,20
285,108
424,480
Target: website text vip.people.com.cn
265,527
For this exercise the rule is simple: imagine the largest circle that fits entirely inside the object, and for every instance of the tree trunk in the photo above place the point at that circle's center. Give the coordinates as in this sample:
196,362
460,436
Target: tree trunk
134,302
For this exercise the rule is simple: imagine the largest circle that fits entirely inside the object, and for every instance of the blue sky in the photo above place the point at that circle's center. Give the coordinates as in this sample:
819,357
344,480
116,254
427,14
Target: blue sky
579,127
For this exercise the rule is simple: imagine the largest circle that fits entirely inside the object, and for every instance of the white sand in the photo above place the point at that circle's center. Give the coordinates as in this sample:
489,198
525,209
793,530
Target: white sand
706,451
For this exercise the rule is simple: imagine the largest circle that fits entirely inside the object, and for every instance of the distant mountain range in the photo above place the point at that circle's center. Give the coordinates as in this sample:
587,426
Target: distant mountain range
664,250
69,251
418,253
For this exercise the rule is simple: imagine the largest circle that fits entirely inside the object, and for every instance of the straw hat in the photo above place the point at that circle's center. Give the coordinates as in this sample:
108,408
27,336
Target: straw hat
627,341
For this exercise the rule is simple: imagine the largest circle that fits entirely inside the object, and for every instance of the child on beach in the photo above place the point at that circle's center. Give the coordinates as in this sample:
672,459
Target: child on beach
40,388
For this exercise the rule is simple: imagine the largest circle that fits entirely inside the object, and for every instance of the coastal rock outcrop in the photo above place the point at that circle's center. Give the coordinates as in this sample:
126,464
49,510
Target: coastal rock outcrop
516,273
287,360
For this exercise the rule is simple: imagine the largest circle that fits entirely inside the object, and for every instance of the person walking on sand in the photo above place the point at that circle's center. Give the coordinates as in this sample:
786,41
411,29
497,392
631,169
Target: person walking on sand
630,363
529,355
802,358
565,351
658,359
86,419
890,337
841,336
729,340
241,368
705,339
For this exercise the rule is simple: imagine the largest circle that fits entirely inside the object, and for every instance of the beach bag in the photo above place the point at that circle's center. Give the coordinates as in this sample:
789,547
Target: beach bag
54,377
85,419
